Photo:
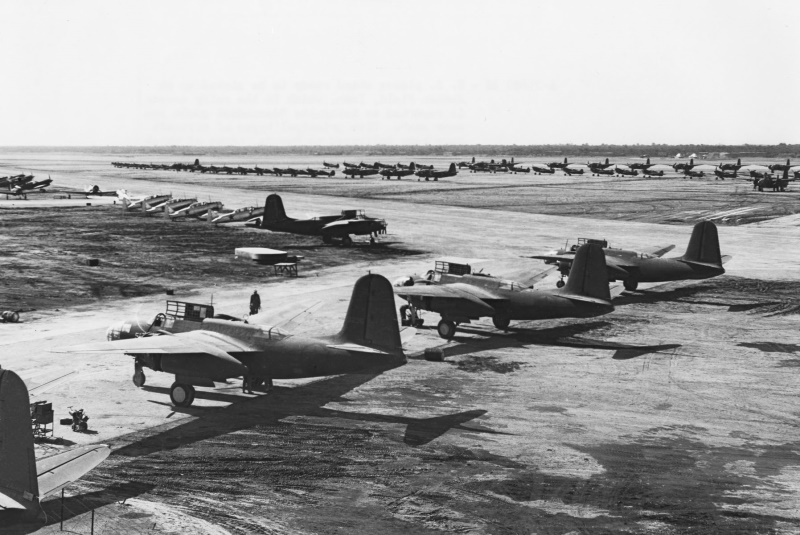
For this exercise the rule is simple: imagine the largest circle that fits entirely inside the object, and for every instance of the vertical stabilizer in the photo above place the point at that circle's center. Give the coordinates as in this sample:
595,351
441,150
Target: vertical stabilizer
412,167
17,460
588,275
452,169
371,317
273,210
704,245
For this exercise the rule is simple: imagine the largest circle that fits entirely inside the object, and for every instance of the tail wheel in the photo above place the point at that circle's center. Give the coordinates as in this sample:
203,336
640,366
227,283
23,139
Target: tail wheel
181,395
347,241
630,285
447,329
560,283
501,322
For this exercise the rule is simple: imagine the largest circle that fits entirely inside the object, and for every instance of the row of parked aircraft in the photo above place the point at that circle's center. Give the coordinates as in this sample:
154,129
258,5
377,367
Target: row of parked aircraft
272,216
22,184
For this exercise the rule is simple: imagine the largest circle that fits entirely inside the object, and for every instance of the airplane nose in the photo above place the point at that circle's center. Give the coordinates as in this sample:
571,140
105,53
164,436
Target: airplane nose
115,331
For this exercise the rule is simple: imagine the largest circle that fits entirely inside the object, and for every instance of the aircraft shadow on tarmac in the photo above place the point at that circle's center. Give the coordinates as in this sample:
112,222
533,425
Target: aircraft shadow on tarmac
562,336
682,295
74,506
308,400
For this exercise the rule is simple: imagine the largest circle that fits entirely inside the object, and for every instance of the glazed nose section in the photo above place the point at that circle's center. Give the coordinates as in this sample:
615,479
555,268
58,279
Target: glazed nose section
115,330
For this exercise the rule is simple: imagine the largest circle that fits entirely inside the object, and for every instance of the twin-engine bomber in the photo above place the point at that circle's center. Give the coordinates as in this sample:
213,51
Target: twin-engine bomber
459,296
220,349
702,260
332,227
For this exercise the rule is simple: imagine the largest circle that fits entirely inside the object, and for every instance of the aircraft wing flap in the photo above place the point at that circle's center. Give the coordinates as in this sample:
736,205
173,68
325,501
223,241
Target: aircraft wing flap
586,299
60,469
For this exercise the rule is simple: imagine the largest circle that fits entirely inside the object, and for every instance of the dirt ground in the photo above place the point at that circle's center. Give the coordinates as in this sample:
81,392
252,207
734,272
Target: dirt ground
676,413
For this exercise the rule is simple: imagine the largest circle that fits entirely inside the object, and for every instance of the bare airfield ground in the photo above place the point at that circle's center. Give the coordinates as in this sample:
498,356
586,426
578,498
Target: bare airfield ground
677,413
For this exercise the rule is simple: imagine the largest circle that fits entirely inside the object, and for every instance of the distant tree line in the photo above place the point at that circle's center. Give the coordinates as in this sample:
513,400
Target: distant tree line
781,150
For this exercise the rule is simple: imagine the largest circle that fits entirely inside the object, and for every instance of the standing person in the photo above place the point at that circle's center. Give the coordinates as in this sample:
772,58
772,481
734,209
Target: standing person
255,303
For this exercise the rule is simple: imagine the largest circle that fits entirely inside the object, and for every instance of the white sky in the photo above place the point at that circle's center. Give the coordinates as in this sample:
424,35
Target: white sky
398,72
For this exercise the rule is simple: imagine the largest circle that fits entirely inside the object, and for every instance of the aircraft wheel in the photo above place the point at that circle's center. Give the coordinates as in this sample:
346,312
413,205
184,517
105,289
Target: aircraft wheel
347,241
181,395
327,239
501,322
447,329
434,354
139,377
560,283
630,285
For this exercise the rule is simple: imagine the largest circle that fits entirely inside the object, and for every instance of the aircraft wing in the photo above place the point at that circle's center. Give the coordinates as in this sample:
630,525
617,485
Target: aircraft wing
554,258
658,251
190,343
466,294
61,469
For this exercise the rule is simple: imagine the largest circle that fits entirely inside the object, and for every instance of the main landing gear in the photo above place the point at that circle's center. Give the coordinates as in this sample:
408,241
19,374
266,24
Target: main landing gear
138,376
630,285
560,283
181,395
447,329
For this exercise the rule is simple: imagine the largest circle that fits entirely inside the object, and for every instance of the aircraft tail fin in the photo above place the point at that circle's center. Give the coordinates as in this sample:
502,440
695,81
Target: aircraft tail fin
607,161
648,161
452,169
412,167
273,210
371,318
588,276
704,245
565,161
739,162
18,481
691,162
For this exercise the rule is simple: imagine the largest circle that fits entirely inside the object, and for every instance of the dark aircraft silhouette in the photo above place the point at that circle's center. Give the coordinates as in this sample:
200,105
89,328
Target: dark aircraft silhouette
558,165
399,173
427,174
29,187
731,166
598,171
514,169
25,480
702,260
683,166
220,349
650,172
379,165
723,174
637,165
599,165
360,172
693,174
349,165
261,172
781,167
571,172
319,172
768,181
539,169
329,227
626,172
459,296
330,165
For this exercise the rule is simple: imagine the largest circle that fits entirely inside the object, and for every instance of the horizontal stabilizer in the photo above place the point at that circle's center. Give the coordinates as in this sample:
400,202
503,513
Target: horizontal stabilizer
587,299
62,469
357,348
659,251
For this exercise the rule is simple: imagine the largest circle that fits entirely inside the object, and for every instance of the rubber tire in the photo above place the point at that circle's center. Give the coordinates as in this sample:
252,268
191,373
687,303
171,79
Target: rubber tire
347,241
139,383
185,396
560,283
446,329
327,239
630,285
501,322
